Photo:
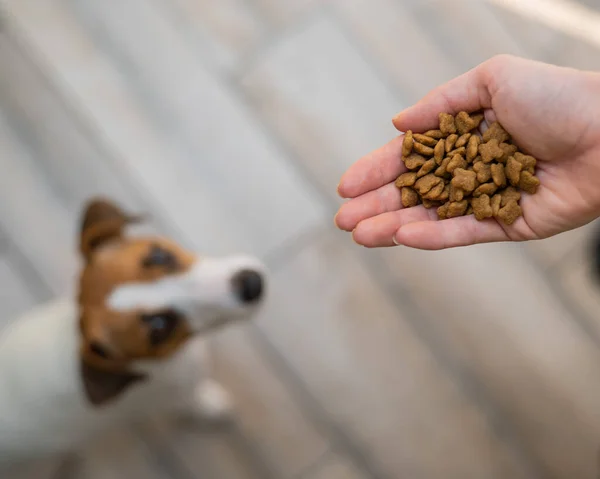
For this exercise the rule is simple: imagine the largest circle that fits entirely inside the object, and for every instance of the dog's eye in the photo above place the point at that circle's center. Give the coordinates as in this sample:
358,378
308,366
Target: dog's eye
161,325
160,257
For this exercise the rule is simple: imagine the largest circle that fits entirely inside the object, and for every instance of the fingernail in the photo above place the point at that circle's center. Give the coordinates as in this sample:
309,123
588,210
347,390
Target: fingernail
395,240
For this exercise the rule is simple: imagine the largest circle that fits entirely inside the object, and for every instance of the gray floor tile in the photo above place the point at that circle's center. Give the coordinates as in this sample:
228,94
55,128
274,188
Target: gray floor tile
319,94
493,311
362,360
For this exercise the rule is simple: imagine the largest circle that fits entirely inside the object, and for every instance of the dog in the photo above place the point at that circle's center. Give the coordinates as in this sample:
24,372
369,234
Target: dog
130,345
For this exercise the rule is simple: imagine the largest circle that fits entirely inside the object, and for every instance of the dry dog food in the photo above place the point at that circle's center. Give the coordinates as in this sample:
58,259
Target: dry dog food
462,172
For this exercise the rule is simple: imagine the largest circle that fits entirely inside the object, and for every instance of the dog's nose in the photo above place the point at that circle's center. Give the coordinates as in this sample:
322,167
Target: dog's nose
248,285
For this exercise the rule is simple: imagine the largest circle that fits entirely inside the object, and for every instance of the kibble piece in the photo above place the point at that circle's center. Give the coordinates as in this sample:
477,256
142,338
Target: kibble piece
410,197
422,149
424,139
414,161
529,183
447,125
486,189
496,132
513,171
457,208
510,212
498,175
437,134
426,168
450,142
455,194
435,192
445,194
465,123
407,143
495,203
473,147
442,171
442,211
424,184
430,203
458,151
438,151
406,179
462,140
457,161
509,150
510,194
490,151
464,179
484,172
528,162
482,207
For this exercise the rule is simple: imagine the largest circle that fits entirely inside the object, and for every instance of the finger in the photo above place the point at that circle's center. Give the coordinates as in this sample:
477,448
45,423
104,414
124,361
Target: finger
379,231
450,233
468,92
384,199
374,170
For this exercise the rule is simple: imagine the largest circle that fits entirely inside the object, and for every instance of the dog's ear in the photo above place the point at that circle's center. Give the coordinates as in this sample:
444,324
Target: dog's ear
104,368
103,386
102,221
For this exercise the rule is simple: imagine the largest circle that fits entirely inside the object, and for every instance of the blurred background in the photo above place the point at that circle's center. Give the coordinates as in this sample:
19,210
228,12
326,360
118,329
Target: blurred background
230,122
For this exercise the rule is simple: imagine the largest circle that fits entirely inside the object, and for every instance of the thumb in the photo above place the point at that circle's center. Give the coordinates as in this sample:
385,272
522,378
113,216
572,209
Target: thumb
468,92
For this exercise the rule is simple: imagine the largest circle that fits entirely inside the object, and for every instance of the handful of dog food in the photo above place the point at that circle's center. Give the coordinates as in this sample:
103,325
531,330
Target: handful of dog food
461,172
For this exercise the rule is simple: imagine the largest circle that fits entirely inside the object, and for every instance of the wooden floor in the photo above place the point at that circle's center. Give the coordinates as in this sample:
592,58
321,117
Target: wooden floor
231,122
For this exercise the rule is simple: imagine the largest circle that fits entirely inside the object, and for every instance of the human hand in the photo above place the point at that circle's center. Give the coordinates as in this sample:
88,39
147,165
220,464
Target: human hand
552,113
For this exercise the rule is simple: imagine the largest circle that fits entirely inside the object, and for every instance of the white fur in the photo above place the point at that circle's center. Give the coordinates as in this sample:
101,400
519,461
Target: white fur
43,407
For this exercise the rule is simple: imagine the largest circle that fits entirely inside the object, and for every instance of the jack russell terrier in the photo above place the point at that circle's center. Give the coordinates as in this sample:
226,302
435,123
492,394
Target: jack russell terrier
131,345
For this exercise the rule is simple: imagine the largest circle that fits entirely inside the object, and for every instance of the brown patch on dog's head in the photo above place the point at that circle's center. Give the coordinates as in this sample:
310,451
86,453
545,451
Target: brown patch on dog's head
112,340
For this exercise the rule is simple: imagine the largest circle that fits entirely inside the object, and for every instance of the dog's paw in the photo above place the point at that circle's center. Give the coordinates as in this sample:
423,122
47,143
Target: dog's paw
213,402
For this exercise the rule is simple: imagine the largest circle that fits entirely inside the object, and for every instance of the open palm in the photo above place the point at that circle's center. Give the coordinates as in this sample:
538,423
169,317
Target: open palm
552,113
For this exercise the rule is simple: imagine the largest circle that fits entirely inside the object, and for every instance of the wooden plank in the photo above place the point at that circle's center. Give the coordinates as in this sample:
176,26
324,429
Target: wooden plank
266,415
119,455
399,44
226,31
536,39
160,102
581,284
469,31
575,53
15,296
284,13
62,149
336,467
31,214
494,312
207,454
377,381
550,251
339,105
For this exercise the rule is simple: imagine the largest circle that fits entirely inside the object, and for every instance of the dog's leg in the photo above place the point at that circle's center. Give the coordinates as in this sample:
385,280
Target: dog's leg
212,401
